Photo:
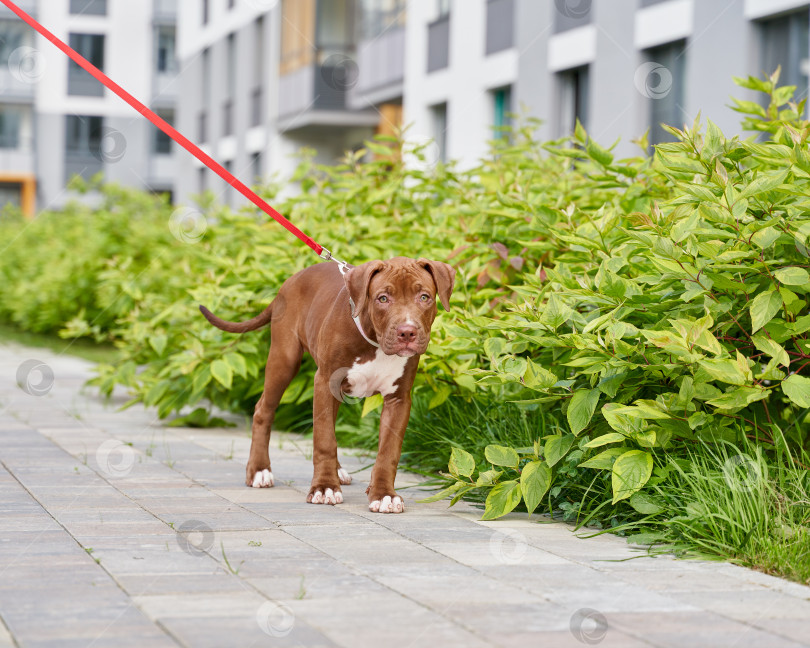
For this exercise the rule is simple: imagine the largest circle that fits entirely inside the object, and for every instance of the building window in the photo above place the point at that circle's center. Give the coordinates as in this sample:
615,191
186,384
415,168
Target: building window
166,38
89,7
256,165
438,114
231,4
91,47
501,109
438,43
162,142
205,10
12,36
573,93
201,180
442,8
258,72
378,16
10,123
663,85
500,26
84,134
228,164
784,42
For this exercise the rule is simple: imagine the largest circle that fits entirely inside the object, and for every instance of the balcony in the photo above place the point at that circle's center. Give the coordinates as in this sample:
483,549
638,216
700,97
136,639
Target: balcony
28,6
17,156
438,44
88,7
381,62
318,95
500,25
164,12
82,163
19,84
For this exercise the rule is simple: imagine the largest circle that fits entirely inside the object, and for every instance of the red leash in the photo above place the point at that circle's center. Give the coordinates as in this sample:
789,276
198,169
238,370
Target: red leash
167,128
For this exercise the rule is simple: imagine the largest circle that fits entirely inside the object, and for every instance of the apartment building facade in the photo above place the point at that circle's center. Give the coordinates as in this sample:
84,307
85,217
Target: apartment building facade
262,79
56,121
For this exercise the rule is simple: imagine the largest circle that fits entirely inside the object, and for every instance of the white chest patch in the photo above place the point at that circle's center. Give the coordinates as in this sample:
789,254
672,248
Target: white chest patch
378,375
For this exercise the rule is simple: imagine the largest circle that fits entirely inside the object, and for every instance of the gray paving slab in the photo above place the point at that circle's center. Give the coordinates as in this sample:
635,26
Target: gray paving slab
117,530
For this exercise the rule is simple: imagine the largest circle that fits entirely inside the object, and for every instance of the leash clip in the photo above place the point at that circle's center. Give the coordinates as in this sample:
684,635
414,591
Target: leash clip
326,255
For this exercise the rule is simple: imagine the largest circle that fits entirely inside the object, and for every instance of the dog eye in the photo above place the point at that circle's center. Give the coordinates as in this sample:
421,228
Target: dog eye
383,299
424,297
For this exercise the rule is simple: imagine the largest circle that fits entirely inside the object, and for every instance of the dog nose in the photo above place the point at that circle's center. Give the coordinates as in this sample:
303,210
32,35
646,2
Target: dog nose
406,333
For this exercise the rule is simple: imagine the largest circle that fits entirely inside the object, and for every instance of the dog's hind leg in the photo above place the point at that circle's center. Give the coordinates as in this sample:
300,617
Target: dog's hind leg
283,363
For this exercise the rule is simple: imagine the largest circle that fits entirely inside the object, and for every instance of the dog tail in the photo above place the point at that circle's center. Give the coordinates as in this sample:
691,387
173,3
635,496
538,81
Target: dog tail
239,327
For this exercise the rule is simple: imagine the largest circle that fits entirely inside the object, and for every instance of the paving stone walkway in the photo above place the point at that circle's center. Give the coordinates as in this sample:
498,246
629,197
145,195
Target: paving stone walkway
118,531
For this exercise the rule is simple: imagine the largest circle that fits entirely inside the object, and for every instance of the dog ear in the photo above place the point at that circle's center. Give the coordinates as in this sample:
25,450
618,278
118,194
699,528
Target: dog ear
357,281
444,276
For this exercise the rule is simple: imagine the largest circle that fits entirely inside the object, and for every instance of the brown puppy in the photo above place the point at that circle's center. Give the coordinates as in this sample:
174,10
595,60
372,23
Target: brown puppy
365,330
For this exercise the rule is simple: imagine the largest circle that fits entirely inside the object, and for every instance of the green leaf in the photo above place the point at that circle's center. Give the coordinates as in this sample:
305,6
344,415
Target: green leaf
237,363
766,237
738,398
764,308
556,447
581,408
597,153
792,276
488,477
797,389
158,343
371,403
644,504
604,460
461,463
443,493
222,373
630,472
767,345
503,498
610,437
535,480
726,371
499,455
764,182
494,347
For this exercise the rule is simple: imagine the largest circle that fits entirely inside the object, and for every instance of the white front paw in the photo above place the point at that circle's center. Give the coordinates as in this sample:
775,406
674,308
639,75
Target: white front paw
344,476
387,505
263,479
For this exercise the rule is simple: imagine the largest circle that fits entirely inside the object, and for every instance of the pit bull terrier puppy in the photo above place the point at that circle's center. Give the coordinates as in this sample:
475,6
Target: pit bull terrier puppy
365,329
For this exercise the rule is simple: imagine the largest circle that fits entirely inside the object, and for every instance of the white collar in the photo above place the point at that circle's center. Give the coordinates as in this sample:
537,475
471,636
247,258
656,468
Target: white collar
356,320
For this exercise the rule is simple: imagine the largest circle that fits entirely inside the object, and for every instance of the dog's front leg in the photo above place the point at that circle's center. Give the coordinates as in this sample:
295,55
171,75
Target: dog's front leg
325,487
382,497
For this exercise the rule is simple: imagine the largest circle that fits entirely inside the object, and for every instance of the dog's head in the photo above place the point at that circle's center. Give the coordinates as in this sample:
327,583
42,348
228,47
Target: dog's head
399,296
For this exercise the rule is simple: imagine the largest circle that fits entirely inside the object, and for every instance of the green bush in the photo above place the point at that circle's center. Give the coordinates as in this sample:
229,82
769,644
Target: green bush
630,308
